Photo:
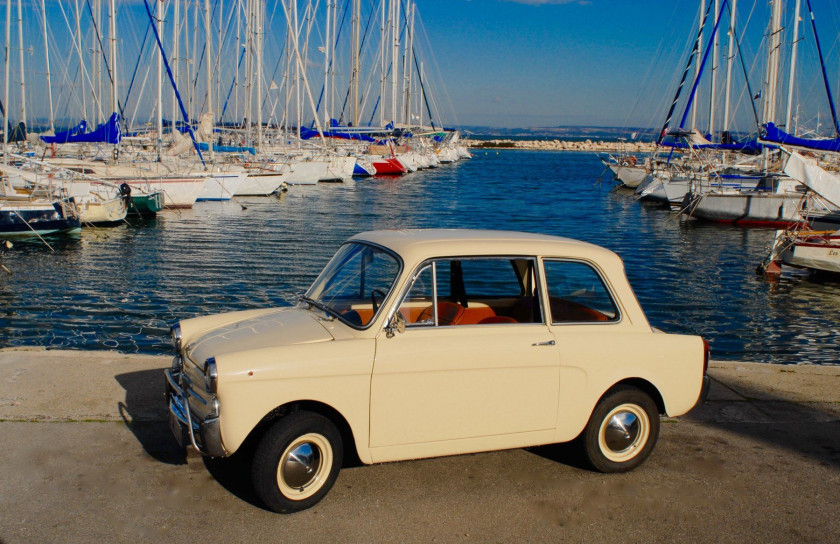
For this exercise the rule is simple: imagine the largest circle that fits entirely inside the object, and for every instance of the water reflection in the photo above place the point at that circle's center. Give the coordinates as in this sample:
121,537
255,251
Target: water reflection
121,288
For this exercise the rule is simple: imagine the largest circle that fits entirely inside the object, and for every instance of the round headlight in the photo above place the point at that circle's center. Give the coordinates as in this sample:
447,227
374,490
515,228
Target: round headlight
176,337
211,375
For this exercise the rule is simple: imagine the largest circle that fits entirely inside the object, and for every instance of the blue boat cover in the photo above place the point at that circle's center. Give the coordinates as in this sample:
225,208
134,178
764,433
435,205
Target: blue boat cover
308,133
747,146
108,132
772,133
228,148
62,137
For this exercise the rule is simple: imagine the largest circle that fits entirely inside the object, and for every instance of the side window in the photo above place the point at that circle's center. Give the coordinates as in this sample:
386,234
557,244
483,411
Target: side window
577,293
473,291
490,278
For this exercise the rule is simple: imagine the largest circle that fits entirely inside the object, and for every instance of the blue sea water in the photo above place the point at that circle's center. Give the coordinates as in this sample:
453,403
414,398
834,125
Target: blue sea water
121,288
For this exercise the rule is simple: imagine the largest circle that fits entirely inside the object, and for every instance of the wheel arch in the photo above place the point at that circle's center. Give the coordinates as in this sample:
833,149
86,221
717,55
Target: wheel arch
643,385
351,454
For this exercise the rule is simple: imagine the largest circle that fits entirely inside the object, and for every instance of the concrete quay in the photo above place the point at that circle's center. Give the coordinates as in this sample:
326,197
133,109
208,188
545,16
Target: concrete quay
87,457
565,145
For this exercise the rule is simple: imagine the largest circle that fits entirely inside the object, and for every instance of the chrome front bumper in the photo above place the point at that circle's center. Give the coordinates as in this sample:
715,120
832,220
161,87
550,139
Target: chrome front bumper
205,436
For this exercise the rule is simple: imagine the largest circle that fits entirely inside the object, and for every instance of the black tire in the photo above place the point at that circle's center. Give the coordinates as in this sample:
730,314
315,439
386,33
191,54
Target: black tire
622,430
297,462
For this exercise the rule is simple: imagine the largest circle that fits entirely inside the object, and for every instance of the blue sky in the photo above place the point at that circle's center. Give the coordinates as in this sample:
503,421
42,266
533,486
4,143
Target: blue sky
596,62
506,63
509,63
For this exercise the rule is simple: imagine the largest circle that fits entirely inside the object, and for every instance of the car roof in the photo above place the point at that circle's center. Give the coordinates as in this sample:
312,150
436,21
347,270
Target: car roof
415,245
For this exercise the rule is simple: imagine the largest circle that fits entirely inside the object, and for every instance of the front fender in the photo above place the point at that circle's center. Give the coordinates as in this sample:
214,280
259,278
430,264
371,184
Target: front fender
252,384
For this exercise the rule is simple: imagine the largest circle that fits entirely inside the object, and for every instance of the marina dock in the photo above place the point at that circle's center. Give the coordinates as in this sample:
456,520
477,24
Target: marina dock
88,456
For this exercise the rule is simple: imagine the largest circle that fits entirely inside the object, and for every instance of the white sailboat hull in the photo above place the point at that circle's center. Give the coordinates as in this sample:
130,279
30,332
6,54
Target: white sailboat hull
178,192
816,256
630,176
221,186
261,183
750,207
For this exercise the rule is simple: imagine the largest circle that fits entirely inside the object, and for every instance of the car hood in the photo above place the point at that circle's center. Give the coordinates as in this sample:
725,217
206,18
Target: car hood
286,326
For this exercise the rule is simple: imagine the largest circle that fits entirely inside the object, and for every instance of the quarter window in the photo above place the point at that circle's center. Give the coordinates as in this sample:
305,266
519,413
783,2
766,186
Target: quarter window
577,294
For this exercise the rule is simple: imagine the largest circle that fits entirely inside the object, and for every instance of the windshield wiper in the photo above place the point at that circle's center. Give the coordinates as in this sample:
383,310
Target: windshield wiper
331,314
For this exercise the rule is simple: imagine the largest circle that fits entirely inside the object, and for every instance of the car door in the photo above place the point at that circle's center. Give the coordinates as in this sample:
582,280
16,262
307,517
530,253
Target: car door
441,380
592,336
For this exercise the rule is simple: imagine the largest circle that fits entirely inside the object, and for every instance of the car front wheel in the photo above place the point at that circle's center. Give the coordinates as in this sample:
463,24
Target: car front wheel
297,461
622,430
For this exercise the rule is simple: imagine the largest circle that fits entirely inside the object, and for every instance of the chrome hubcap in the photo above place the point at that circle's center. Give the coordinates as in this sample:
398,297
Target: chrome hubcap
622,430
305,466
301,465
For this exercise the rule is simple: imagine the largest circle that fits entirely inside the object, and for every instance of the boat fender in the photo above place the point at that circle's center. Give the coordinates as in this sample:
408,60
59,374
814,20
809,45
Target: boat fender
125,191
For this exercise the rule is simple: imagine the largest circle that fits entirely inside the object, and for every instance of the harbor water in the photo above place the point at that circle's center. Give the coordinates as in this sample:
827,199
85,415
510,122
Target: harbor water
121,288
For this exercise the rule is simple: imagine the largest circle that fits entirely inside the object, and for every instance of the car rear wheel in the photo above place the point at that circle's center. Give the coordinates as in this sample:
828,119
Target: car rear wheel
297,461
622,430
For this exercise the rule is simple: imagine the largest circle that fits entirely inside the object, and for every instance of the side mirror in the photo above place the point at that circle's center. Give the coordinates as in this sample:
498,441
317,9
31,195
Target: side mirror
397,323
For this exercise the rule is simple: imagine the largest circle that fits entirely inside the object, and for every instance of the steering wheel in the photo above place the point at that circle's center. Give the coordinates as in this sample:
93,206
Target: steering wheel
374,293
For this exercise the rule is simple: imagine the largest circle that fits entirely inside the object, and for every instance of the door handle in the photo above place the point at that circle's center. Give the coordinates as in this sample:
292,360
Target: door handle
547,343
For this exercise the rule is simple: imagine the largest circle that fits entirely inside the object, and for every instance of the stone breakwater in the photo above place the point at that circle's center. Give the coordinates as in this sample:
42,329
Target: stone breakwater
565,145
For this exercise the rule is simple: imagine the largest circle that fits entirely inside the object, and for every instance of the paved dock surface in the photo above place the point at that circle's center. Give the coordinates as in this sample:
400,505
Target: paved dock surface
87,457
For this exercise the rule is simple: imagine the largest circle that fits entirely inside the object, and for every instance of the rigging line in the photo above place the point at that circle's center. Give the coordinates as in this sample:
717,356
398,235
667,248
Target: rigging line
423,89
82,72
688,64
361,48
274,72
136,66
746,77
232,84
822,66
702,65
338,35
102,50
174,87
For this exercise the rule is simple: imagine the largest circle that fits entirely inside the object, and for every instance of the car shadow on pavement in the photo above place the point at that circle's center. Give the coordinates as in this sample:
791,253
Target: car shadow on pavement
771,418
146,414
766,417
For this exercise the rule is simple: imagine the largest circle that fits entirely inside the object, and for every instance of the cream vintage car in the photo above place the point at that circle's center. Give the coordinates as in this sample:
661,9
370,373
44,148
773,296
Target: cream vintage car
422,343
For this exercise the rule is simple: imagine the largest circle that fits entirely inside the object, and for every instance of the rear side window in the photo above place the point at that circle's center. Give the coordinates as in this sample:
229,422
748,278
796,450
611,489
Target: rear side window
577,294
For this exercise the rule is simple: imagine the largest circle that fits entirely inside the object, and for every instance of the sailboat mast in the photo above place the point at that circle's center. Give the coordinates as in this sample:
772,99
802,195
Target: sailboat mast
357,22
395,61
407,52
382,73
22,80
6,83
729,62
772,72
236,65
112,30
78,43
302,71
697,66
259,30
249,68
176,33
792,75
713,89
209,74
327,40
47,60
159,27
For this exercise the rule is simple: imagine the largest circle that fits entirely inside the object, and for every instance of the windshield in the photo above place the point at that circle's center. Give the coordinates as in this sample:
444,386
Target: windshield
355,283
